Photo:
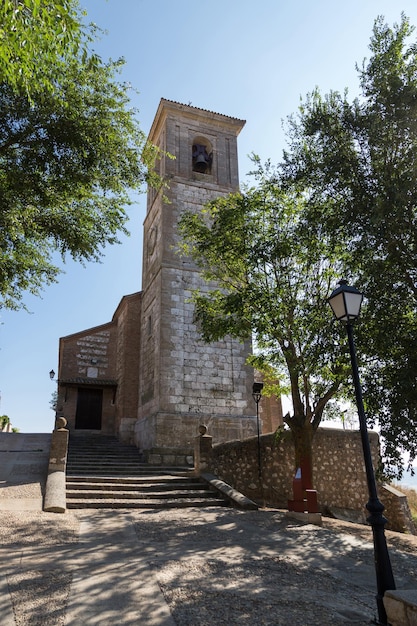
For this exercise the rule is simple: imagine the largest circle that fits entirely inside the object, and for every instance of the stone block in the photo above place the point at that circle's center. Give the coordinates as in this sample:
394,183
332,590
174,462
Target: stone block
401,607
169,459
155,459
55,493
308,518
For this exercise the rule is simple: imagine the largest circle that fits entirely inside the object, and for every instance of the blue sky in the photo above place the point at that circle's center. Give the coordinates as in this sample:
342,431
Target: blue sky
247,59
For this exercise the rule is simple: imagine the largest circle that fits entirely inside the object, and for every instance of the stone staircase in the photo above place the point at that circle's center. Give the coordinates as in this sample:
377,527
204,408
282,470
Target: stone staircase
103,473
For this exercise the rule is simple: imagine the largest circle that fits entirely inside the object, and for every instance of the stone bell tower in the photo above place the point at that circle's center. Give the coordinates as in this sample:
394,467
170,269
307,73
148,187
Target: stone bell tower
185,382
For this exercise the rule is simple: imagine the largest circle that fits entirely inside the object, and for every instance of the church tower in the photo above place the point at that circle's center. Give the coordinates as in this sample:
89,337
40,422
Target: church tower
184,382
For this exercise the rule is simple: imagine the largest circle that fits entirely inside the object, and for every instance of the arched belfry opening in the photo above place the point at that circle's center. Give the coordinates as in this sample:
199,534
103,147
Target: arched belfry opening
202,155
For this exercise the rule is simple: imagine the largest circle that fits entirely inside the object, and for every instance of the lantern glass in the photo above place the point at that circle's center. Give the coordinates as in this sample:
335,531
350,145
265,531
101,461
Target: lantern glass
353,304
346,302
257,391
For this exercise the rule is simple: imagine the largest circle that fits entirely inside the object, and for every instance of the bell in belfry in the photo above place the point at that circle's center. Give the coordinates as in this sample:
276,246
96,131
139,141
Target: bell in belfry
201,159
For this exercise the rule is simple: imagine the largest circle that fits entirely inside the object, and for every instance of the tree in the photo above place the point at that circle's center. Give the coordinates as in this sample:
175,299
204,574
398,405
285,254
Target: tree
4,422
36,38
69,158
358,161
269,279
53,403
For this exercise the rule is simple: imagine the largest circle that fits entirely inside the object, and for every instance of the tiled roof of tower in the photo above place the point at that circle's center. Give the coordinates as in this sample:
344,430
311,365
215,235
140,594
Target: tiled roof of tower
200,109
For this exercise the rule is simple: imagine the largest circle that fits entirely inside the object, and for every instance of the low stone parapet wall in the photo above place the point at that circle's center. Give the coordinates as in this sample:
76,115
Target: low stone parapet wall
397,510
401,607
338,473
23,470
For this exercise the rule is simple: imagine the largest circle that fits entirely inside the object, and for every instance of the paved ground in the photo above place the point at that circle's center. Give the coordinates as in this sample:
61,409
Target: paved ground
197,567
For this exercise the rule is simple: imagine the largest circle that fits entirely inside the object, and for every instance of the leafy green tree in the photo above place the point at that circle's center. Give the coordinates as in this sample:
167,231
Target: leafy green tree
36,38
358,161
4,421
53,403
69,159
268,278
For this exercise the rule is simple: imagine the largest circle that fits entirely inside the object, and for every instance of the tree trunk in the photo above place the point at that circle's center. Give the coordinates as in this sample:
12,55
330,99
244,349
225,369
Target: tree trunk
304,495
302,434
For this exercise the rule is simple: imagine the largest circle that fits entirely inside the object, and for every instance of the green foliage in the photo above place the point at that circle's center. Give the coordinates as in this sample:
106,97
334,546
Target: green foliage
36,39
4,421
280,435
270,277
358,162
344,413
69,158
343,203
53,403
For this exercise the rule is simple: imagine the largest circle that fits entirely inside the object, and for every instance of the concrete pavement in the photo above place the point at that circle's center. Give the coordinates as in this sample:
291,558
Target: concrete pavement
183,567
202,567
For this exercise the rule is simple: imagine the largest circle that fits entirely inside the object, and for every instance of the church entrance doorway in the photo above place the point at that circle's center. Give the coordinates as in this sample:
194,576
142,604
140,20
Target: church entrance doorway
89,405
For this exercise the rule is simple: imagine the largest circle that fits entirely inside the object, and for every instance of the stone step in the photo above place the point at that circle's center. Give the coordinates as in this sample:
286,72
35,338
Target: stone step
121,461
111,452
99,444
111,465
97,494
94,448
103,473
104,458
75,449
134,480
119,472
136,487
75,458
149,503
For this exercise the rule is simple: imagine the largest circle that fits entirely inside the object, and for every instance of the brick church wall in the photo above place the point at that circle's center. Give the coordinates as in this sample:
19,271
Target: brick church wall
105,357
127,318
88,355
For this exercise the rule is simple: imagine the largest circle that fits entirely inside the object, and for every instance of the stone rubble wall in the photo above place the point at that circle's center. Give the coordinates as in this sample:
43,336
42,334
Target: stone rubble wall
397,510
338,473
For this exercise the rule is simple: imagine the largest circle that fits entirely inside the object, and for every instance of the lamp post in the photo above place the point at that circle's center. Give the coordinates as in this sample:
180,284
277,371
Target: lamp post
52,374
345,302
257,395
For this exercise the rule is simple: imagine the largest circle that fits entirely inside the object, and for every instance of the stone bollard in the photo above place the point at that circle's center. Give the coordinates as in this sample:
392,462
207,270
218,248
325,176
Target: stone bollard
55,498
401,607
202,450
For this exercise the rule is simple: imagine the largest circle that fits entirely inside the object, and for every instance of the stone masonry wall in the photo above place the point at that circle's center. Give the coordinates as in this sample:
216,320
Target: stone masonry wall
397,510
183,381
338,473
201,378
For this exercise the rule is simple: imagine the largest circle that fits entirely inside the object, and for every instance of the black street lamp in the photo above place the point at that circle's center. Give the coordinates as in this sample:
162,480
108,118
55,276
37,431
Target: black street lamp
257,395
345,302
